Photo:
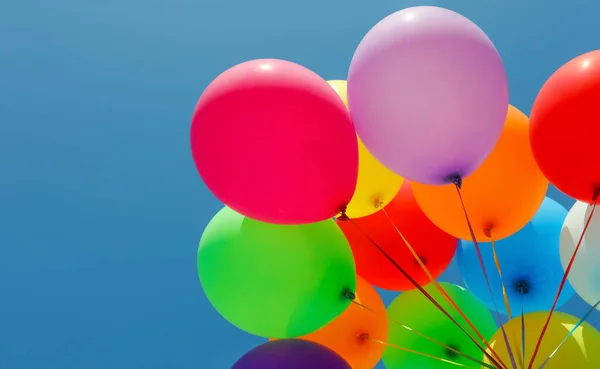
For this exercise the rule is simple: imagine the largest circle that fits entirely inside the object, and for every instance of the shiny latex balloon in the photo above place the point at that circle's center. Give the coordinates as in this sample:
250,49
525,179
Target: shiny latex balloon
564,123
428,94
415,311
274,280
273,141
529,261
434,247
580,351
376,185
503,194
585,273
350,334
291,354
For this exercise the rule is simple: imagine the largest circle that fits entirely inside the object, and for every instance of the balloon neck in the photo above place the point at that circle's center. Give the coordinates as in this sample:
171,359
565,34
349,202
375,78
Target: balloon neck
349,295
377,203
487,232
423,260
595,194
451,351
343,216
363,337
455,179
522,287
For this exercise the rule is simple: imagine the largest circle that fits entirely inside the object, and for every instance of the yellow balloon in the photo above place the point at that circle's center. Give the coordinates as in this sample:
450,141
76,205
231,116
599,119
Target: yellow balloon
581,350
376,186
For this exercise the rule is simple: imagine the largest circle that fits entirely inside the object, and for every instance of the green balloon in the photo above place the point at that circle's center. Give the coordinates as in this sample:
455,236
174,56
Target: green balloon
415,311
275,281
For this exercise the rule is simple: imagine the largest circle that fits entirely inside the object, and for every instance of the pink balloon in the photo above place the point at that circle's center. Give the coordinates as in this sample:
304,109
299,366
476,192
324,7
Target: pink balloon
273,141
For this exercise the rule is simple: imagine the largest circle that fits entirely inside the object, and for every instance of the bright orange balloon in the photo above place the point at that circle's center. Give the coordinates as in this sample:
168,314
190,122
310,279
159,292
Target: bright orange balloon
347,334
502,195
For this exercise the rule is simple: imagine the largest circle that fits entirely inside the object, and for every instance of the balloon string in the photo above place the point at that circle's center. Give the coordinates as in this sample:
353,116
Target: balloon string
488,232
344,217
505,294
521,354
458,183
429,338
523,328
497,262
579,323
439,287
421,353
518,350
564,279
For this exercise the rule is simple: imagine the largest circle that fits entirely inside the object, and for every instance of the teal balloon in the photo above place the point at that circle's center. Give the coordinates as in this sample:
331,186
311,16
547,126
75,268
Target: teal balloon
275,281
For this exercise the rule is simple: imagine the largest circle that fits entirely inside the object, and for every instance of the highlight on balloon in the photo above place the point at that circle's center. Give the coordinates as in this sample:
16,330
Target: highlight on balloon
337,187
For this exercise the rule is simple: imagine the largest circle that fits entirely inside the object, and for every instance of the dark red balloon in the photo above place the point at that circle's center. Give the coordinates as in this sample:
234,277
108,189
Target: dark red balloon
435,247
564,124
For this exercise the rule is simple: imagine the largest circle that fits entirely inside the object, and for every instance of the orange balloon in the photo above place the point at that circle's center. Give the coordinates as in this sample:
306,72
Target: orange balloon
347,334
501,196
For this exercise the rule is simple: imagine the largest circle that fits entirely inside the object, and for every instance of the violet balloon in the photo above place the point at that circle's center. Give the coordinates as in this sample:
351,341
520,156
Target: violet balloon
428,94
291,354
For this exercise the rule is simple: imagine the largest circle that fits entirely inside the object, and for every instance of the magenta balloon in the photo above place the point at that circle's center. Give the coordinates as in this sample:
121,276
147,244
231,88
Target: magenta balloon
274,142
428,94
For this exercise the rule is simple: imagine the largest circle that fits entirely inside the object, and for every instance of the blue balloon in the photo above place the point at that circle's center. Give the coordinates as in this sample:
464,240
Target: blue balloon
529,261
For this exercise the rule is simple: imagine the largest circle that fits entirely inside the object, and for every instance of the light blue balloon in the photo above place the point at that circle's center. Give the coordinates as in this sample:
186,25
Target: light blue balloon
529,261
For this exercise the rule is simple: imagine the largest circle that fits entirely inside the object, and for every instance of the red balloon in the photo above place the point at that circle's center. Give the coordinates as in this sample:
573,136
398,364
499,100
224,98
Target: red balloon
564,124
434,247
274,142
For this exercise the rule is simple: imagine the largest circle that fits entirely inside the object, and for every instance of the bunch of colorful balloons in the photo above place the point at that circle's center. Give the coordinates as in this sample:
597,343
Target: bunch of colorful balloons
331,188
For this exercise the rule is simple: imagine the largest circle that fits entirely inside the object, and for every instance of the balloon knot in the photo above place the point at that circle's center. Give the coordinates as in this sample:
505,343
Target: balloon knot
423,260
378,203
347,294
343,216
363,336
522,287
487,232
455,179
451,351
596,194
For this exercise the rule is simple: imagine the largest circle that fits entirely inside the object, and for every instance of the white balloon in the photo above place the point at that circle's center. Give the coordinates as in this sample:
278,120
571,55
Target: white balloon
584,276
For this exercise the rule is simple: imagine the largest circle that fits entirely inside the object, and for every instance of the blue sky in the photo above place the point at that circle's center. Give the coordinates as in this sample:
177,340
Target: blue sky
101,208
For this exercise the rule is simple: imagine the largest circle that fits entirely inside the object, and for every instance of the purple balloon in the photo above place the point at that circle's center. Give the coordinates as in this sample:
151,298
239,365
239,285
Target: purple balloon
291,354
428,94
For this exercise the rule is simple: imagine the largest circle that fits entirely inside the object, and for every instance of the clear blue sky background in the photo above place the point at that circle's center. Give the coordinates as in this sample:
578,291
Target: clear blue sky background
101,208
